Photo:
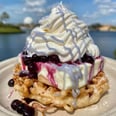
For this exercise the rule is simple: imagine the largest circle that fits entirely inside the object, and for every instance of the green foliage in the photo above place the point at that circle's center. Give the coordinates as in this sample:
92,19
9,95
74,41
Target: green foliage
4,16
98,25
115,54
113,27
8,28
95,26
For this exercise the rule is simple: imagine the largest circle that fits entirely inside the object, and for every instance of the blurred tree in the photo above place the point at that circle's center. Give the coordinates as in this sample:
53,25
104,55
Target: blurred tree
4,16
95,26
115,54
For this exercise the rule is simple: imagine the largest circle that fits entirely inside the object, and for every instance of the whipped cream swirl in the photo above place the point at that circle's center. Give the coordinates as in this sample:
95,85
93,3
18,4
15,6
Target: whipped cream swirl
63,34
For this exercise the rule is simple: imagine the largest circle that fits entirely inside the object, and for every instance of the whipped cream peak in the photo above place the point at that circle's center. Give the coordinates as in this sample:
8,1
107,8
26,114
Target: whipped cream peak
63,34
60,9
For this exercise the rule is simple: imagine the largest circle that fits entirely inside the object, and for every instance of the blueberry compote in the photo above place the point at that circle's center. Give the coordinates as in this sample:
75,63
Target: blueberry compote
30,62
22,108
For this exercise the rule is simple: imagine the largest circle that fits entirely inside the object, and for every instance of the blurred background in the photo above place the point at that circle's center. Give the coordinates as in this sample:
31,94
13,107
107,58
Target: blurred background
19,17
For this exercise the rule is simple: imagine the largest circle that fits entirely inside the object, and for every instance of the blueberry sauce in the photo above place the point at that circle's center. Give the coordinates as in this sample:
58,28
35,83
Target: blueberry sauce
33,64
52,58
50,69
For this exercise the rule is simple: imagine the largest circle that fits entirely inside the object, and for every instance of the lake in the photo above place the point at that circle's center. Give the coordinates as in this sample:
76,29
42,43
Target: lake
12,44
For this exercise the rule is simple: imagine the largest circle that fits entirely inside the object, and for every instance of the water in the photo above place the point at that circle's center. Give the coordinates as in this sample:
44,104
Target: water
12,44
106,42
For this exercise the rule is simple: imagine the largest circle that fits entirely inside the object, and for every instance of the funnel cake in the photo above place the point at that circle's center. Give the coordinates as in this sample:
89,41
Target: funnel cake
61,67
47,97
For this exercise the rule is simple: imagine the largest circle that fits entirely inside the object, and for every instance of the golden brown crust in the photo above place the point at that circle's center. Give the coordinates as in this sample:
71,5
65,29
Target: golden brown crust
44,80
50,96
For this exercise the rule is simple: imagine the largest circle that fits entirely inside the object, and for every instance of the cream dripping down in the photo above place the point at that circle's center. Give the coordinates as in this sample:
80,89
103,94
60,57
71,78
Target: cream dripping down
63,34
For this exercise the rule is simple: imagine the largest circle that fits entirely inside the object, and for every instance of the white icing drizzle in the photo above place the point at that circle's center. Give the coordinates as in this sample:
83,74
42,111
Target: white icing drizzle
75,74
62,33
91,72
86,76
75,93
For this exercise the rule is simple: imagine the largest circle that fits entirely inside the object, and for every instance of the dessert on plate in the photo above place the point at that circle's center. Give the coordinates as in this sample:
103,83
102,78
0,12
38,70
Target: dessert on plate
60,67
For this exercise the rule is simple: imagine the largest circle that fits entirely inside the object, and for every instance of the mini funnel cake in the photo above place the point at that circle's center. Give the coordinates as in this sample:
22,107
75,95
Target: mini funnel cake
61,67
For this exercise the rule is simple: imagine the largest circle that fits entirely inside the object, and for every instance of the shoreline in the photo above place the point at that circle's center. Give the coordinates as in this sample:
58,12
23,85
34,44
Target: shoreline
10,29
17,29
3,33
102,28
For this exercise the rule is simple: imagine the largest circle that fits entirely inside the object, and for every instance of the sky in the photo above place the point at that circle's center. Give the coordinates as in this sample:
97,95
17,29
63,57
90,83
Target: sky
90,11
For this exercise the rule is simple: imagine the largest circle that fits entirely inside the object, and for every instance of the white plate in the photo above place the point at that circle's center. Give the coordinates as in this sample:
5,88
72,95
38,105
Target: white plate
105,107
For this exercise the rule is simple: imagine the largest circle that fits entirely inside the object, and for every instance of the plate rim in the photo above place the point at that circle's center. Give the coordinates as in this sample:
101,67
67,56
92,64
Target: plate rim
14,60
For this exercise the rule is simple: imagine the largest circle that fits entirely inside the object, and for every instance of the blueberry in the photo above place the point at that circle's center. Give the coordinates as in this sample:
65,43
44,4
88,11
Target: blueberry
27,60
31,67
87,58
54,59
23,73
24,52
15,104
28,111
11,83
43,58
28,100
90,60
35,58
22,108
33,75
